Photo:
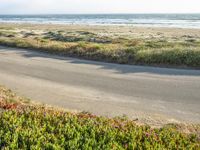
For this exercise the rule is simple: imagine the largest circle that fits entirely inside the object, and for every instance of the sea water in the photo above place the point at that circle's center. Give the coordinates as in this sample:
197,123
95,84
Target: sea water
149,20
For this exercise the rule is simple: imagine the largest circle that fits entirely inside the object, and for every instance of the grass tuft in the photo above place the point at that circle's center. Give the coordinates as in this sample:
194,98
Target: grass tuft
88,45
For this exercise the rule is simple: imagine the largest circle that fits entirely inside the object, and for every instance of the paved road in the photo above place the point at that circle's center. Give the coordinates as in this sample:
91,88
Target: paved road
102,88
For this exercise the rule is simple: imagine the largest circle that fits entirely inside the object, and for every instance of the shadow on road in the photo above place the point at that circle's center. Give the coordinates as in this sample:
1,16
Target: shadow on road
118,68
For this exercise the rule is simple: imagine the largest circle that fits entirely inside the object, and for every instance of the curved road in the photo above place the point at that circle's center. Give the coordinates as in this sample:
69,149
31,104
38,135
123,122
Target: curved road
148,93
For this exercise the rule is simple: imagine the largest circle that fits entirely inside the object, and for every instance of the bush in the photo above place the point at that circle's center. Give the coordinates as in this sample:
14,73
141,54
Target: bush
176,57
40,128
27,126
119,51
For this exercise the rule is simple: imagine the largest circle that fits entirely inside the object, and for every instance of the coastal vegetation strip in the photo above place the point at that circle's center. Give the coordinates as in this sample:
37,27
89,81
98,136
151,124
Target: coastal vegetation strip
24,125
184,52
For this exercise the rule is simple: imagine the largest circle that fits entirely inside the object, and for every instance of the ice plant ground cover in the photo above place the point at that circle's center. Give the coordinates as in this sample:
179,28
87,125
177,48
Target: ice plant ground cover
24,125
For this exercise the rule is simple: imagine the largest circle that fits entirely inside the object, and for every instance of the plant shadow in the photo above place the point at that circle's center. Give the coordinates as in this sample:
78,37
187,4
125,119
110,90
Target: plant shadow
117,68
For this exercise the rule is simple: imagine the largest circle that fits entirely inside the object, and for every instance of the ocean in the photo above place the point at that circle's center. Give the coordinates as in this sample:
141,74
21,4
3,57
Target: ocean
149,20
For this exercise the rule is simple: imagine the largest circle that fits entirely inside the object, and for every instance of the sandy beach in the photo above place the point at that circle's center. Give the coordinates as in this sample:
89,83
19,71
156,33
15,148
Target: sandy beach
155,46
114,31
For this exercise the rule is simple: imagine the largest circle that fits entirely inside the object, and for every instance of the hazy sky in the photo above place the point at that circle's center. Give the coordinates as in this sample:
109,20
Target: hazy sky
98,6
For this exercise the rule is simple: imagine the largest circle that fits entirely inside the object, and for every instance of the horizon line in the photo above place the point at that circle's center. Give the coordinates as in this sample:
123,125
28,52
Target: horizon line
99,13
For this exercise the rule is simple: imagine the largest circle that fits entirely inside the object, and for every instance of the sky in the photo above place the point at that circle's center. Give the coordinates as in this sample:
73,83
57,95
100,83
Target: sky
98,6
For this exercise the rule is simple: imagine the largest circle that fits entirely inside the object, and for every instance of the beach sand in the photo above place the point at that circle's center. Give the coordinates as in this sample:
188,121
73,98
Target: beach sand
175,34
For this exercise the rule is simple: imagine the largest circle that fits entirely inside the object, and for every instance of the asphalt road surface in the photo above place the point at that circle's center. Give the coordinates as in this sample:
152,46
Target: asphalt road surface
147,93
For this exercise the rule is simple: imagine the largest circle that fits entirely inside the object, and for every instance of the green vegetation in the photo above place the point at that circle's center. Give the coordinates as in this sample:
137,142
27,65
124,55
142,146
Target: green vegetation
27,126
88,45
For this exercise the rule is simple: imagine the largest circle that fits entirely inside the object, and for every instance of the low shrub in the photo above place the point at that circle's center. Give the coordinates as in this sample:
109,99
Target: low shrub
40,128
27,126
120,50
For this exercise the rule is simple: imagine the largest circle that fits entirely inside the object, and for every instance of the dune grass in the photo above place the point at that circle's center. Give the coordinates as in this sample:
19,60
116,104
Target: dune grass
28,126
91,46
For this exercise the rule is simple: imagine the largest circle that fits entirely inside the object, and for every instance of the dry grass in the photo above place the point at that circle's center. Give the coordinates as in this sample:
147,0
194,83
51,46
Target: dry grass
88,45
